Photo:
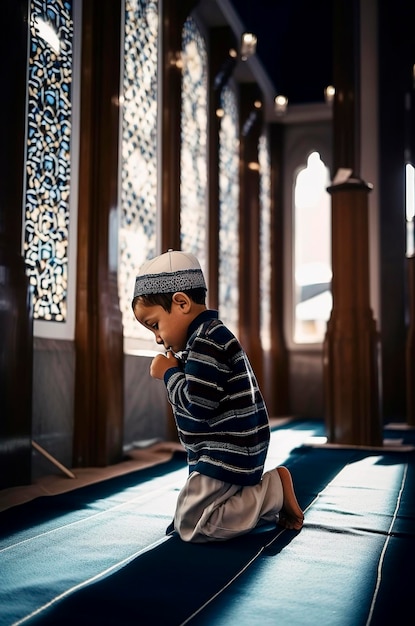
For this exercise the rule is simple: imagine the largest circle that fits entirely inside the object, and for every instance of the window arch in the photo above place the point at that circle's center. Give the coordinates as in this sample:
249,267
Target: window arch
307,296
312,251
410,208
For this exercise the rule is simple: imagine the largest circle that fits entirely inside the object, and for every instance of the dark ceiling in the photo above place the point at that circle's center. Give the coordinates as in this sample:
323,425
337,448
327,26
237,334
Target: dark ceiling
294,44
296,41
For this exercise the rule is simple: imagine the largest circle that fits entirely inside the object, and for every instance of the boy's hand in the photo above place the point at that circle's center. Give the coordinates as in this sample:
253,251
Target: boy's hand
161,363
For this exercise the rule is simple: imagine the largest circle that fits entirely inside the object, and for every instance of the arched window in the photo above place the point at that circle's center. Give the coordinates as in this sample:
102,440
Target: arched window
193,181
312,252
410,209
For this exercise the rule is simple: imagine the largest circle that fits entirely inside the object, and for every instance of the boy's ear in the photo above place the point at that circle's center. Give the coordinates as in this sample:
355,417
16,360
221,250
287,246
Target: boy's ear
182,300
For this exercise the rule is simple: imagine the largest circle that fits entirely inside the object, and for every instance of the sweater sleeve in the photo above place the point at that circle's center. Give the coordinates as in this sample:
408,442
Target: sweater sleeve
199,389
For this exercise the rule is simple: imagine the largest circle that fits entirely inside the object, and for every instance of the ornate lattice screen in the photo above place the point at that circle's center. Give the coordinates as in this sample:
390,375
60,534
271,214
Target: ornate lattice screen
48,158
138,214
229,209
193,183
265,240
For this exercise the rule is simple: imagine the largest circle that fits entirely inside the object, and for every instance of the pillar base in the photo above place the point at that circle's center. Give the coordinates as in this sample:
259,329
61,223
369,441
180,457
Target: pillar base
352,383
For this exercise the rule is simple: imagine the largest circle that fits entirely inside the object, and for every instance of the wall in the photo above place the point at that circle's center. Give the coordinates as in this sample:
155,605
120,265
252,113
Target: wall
146,411
53,402
146,415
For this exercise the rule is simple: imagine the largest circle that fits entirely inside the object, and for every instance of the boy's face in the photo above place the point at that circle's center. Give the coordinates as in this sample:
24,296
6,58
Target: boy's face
170,329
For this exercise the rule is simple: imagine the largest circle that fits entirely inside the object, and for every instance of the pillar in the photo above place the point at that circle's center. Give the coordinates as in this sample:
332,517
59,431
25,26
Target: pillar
352,345
249,225
410,344
16,321
99,376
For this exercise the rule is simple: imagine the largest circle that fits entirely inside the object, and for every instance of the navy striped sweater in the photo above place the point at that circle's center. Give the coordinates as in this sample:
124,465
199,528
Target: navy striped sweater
221,417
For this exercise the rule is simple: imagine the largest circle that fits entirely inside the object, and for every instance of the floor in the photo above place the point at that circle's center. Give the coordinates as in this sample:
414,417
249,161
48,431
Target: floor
58,481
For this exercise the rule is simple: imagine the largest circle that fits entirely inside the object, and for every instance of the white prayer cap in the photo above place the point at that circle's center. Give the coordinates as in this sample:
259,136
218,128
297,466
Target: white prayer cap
170,272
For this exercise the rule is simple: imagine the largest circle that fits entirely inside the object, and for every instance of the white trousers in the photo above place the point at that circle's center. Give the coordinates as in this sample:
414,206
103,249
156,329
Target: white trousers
211,510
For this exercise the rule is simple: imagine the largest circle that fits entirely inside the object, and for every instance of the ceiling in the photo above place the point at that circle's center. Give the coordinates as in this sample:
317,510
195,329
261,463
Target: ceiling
294,44
294,47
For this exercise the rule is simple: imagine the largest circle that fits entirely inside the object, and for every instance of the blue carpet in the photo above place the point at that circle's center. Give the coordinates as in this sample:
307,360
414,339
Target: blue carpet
98,555
352,564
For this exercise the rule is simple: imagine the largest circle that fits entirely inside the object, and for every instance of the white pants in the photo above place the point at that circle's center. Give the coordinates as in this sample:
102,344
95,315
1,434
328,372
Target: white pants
211,510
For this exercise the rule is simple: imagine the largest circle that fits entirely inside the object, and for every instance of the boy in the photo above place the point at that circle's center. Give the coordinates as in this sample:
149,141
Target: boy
220,414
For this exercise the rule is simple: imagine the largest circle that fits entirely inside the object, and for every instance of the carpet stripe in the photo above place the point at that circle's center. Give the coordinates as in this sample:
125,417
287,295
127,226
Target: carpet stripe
245,568
115,567
385,547
143,498
325,576
164,581
232,580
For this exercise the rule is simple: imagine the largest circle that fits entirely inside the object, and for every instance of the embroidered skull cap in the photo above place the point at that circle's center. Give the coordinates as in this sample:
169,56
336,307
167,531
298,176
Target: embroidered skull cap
170,272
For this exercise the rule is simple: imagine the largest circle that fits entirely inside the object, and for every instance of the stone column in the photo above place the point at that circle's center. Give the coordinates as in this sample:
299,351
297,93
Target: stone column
16,317
352,343
410,345
351,349
250,115
99,377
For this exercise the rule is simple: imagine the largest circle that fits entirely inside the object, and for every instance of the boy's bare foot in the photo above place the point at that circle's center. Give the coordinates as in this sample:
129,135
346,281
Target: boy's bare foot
291,515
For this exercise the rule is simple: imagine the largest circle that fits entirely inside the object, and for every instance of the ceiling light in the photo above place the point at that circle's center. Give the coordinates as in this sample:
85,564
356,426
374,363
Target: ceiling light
329,94
177,60
280,104
248,45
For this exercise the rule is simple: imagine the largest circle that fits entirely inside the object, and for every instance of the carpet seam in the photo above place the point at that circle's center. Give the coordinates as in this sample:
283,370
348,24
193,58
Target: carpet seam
142,497
87,582
244,568
382,555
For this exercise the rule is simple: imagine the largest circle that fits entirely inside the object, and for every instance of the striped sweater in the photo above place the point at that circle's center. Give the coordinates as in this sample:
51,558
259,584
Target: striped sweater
219,411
